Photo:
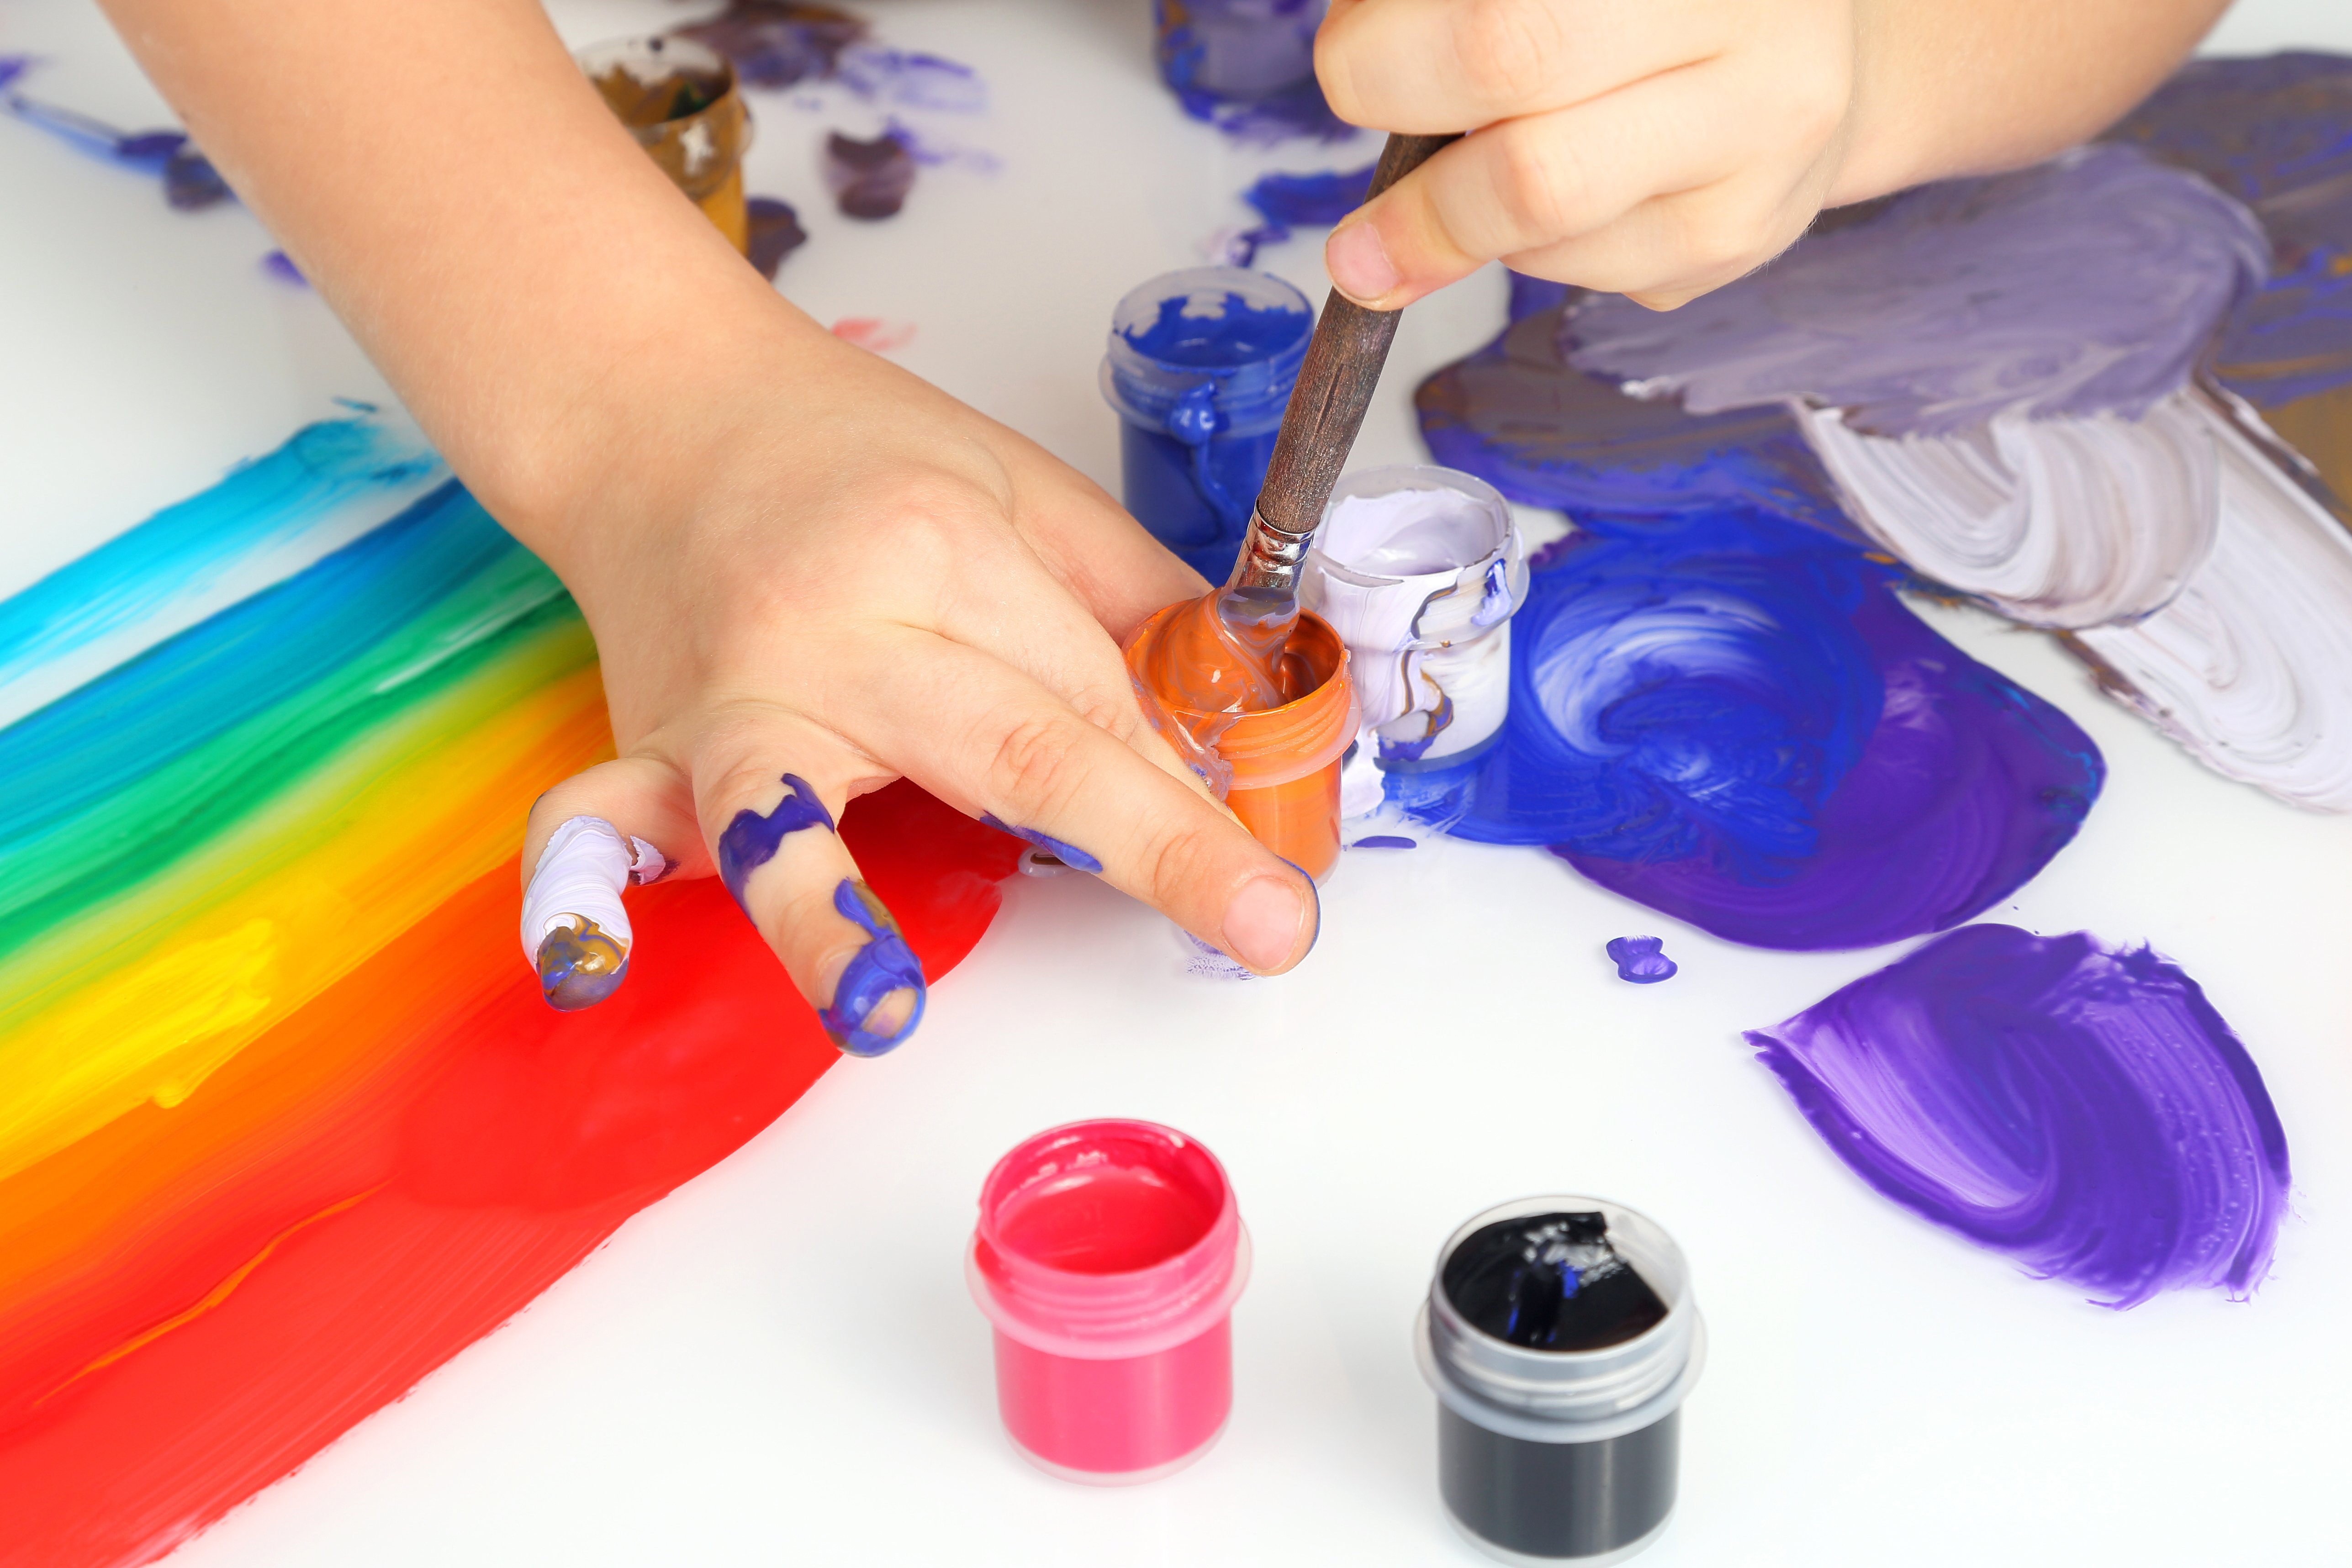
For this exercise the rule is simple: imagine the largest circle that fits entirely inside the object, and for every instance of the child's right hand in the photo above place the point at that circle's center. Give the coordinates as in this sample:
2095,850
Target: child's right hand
872,582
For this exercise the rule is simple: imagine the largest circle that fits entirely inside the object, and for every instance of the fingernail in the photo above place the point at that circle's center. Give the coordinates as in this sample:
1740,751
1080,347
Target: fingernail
575,931
878,999
1358,262
1262,922
1067,853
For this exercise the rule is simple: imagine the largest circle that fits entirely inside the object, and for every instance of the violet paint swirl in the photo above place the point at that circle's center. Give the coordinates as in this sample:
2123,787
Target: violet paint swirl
2086,284
2079,1108
1732,720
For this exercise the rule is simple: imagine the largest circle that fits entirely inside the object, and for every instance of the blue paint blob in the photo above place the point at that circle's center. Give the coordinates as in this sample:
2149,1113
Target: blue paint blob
1200,368
1069,855
1641,959
2080,1108
190,181
1384,841
1285,202
885,965
751,839
280,265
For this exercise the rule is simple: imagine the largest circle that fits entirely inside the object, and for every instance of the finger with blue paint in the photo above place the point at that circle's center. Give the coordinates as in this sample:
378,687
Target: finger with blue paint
588,839
784,864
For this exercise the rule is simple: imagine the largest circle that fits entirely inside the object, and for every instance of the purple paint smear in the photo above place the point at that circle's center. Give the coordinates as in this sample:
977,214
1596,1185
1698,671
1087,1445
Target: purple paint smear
1642,959
2082,1109
2276,133
190,181
2087,283
781,43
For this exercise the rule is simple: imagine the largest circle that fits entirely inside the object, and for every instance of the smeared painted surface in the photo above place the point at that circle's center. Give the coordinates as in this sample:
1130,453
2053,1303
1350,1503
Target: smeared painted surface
1735,721
751,839
879,970
1285,202
777,44
256,821
869,179
2080,1108
580,964
1069,855
1642,959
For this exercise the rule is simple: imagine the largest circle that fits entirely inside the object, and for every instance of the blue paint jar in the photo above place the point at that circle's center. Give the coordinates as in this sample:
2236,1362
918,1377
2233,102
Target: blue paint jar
1200,368
1236,50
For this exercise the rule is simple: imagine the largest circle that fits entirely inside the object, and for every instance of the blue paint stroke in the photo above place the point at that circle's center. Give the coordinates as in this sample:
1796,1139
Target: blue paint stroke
190,181
281,266
1285,202
2082,1109
1735,721
1069,855
884,966
1641,959
145,719
751,839
2276,133
1385,842
331,476
580,967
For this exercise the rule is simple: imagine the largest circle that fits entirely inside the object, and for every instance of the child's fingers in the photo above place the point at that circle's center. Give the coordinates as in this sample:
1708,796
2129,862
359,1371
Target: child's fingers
1430,67
1535,181
1672,249
624,821
982,737
774,838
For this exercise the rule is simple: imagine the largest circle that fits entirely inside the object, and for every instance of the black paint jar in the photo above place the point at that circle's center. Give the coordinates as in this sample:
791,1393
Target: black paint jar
1557,1435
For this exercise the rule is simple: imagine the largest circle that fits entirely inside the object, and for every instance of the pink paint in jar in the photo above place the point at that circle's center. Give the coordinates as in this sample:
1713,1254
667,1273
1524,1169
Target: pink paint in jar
1108,1257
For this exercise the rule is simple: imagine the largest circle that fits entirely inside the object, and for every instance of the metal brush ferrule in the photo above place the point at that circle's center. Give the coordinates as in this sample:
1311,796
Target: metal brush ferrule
1270,560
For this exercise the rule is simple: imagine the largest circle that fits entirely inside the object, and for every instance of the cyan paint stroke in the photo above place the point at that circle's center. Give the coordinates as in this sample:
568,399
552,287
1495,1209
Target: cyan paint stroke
2080,1108
330,483
886,965
1735,721
2276,133
751,839
206,725
2086,285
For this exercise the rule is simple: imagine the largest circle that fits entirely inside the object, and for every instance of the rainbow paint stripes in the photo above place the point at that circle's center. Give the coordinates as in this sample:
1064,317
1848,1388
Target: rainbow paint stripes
284,1124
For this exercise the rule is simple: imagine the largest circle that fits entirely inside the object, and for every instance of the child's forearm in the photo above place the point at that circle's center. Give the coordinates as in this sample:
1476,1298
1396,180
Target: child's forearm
1960,86
524,275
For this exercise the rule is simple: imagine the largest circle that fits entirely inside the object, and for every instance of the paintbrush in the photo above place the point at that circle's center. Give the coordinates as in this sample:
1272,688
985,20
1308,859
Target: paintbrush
1319,427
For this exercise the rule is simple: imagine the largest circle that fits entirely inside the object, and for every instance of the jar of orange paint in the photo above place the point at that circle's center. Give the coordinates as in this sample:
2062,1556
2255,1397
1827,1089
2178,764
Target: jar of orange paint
1284,760
679,99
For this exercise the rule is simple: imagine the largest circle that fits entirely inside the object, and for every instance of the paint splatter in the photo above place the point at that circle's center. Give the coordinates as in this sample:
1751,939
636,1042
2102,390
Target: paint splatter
873,333
775,230
190,181
884,967
780,43
2081,1108
261,814
869,180
281,266
1067,853
753,839
1384,841
1287,202
1642,959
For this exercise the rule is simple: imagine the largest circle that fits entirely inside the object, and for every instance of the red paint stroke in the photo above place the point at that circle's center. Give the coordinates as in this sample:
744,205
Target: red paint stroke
874,333
315,1244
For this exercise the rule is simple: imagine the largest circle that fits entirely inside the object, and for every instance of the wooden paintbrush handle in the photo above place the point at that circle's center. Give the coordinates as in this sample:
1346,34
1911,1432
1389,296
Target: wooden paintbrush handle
1336,380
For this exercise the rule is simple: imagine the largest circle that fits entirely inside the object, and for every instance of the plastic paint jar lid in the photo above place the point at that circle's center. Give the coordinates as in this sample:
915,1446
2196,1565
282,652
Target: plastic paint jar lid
1208,351
1108,1240
1567,1396
1298,738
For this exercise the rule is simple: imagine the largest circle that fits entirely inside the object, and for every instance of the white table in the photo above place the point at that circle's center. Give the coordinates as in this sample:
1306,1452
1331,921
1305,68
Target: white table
779,1363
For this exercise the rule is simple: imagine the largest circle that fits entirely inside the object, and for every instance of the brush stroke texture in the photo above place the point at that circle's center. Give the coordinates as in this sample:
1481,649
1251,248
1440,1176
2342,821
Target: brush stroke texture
283,1126
2080,1108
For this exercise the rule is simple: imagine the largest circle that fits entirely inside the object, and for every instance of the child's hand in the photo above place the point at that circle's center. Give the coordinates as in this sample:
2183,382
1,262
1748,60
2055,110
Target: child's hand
814,596
1657,149
1661,148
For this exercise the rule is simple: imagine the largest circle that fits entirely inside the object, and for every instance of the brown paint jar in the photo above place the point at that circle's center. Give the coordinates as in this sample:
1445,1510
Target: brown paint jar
679,99
1285,760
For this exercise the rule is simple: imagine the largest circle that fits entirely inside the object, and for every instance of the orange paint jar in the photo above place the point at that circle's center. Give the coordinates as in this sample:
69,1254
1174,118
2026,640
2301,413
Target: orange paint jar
1285,760
679,99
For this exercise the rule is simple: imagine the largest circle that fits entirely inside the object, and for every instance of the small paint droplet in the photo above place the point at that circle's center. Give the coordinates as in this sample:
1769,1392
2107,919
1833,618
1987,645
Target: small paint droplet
873,333
1640,960
1384,841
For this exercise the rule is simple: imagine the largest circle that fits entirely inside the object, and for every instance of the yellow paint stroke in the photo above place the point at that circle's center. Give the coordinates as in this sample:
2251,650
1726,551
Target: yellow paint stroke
288,902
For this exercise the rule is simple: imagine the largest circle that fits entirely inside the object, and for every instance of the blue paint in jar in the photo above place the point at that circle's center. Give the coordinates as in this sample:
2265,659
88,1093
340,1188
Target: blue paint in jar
1200,368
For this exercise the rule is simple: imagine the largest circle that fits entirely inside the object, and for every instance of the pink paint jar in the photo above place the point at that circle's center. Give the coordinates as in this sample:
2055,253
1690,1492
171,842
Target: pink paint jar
1108,1256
